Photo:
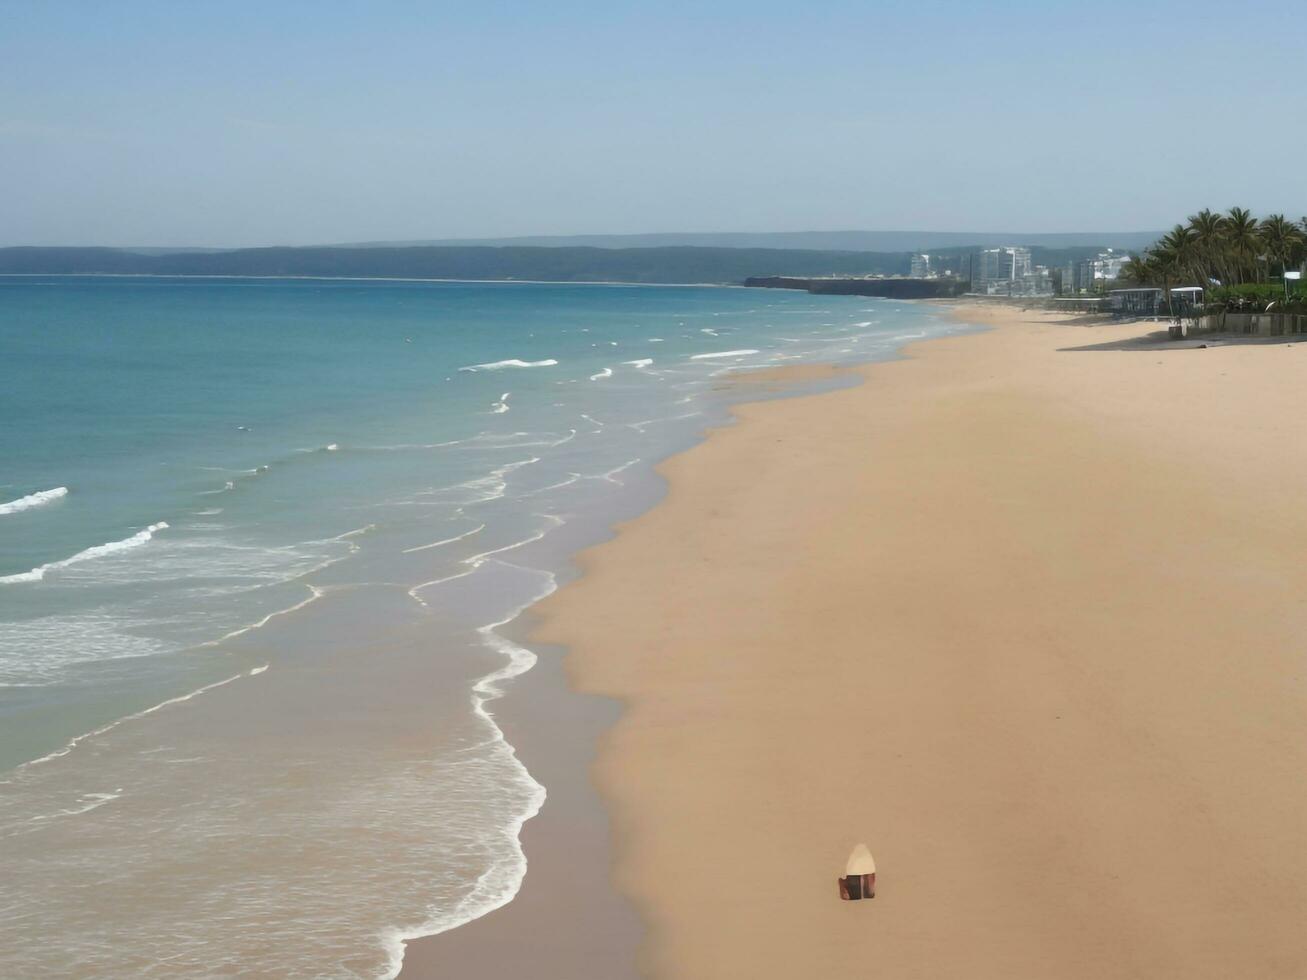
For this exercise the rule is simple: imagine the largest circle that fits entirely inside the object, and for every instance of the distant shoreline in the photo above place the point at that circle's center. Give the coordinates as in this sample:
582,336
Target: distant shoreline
502,282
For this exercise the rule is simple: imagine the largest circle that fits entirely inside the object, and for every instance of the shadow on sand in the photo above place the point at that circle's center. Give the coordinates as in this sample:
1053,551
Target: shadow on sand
1159,340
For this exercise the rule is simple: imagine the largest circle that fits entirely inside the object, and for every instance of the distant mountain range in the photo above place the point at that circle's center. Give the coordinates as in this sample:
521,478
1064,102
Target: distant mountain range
823,241
547,260
652,265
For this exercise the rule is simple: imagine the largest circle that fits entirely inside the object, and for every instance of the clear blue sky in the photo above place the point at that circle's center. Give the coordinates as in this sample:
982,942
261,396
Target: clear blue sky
230,123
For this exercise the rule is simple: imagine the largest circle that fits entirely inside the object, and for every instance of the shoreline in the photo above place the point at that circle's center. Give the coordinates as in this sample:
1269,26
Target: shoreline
551,925
1079,831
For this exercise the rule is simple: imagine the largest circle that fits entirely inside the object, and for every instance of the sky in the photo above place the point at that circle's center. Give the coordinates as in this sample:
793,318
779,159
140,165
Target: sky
233,123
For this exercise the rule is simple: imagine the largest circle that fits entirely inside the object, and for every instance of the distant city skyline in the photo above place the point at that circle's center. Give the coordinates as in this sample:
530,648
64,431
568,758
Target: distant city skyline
158,124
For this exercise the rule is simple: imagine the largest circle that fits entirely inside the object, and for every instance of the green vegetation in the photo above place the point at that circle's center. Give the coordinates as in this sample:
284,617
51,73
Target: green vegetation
1258,297
1239,260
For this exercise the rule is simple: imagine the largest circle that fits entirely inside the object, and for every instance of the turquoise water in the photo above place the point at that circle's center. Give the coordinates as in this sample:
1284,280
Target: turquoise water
240,508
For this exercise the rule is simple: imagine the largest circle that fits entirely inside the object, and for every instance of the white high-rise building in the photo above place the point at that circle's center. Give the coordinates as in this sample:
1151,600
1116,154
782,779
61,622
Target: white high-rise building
997,268
1109,264
920,266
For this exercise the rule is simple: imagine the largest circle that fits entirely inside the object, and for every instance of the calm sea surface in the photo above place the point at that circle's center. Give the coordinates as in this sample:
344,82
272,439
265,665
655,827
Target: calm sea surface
261,546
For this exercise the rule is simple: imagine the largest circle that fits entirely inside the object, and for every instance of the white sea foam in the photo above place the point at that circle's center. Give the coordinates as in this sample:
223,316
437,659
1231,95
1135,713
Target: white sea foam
36,652
512,363
501,406
226,488
610,476
605,373
474,562
35,575
85,803
644,424
571,478
37,499
642,362
709,331
315,593
481,441
722,353
99,551
444,541
79,739
554,521
498,884
437,581
571,434
492,486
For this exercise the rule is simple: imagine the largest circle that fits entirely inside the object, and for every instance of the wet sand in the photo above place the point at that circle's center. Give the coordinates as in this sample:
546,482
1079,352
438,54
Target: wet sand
1025,612
567,922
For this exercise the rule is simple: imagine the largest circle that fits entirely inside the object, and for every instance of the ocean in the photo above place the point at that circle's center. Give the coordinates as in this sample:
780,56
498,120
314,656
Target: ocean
262,546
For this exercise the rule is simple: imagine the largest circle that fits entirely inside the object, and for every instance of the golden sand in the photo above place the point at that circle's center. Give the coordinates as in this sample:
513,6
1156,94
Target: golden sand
1029,621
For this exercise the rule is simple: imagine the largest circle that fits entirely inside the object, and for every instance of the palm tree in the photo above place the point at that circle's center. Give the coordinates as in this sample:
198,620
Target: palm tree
1241,239
1172,260
1228,249
1209,238
1186,258
1137,270
1281,239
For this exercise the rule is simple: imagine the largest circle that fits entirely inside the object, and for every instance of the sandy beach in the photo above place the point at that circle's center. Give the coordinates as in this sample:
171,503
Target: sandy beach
1024,612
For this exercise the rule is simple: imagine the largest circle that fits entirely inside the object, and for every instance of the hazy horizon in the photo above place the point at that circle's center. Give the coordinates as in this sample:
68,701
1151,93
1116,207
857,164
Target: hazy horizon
157,125
643,239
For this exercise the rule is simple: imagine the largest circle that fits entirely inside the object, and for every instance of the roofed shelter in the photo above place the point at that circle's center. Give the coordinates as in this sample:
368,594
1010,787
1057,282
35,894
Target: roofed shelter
859,879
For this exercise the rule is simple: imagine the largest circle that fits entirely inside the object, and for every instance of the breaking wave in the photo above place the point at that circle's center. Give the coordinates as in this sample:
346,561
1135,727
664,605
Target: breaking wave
33,500
512,363
99,551
723,353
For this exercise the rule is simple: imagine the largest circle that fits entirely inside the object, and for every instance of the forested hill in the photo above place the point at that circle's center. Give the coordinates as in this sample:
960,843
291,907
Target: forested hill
687,264
654,265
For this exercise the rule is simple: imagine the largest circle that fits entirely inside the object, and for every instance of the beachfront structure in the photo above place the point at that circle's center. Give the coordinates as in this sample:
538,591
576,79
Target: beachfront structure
1153,301
1144,301
1077,304
859,879
1184,299
920,267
